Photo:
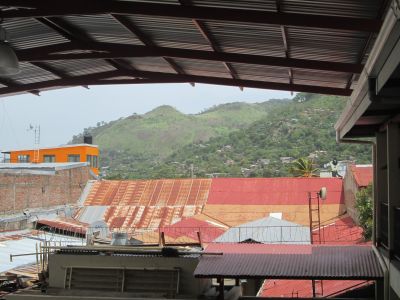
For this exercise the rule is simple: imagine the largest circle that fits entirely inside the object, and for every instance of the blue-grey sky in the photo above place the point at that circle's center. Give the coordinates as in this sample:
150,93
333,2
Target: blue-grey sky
65,112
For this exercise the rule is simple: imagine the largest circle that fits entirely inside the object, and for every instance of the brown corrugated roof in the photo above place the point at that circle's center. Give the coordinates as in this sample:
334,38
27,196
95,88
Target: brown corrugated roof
293,45
299,262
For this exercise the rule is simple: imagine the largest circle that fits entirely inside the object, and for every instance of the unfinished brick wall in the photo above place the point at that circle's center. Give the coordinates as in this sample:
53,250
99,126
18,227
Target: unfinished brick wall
22,191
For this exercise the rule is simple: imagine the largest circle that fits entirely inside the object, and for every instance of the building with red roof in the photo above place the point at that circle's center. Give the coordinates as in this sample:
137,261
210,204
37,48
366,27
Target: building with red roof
356,178
240,200
343,231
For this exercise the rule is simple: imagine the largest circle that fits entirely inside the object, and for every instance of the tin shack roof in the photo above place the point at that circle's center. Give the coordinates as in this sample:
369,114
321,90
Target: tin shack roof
290,262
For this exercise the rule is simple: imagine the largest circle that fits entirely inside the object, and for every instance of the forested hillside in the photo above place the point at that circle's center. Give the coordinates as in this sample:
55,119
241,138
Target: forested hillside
140,142
230,140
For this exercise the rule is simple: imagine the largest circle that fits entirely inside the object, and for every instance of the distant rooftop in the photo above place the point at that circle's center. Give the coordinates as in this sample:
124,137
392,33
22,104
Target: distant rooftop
363,174
56,147
267,230
32,168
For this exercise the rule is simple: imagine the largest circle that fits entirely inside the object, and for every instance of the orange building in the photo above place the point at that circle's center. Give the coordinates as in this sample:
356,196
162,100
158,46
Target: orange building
67,153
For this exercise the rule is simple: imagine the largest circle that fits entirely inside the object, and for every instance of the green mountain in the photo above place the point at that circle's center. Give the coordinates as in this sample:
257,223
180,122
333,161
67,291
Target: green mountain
140,142
293,130
235,139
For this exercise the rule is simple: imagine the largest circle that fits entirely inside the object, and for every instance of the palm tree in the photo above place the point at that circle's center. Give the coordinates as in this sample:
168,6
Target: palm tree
303,167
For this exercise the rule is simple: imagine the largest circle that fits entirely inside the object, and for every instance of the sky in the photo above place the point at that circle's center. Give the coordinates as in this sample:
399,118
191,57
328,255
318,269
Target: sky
66,112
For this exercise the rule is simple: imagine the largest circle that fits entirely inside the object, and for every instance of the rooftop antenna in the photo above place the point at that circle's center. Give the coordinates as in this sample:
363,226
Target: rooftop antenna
36,147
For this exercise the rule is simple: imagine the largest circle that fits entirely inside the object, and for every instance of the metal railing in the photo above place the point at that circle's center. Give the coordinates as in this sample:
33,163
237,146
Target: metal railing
332,234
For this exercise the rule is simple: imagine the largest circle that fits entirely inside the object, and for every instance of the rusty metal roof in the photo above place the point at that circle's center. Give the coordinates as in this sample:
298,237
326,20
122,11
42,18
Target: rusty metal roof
292,262
294,45
161,192
64,225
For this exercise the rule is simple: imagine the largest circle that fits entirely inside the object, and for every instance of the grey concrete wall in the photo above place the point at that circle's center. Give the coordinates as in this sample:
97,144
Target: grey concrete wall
188,284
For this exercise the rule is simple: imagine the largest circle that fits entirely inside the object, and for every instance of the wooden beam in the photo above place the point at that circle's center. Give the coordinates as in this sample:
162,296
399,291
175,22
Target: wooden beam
111,50
46,8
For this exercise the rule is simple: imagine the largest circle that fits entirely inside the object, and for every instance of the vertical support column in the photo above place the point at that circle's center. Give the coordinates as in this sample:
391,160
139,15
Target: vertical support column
393,176
375,195
221,289
379,289
380,182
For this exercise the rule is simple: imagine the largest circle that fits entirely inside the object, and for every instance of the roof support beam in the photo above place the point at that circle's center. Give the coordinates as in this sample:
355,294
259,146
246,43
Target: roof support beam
75,35
72,81
209,38
128,24
50,69
46,8
108,50
285,40
163,77
12,84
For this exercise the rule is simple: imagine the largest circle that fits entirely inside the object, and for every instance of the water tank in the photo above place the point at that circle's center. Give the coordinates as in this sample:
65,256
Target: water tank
87,139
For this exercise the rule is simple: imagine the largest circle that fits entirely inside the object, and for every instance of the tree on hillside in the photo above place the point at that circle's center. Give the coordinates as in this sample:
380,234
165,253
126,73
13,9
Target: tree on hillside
303,167
302,97
364,206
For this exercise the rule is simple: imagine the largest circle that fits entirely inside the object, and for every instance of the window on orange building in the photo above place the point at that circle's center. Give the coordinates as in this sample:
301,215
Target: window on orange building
74,158
23,158
95,161
49,158
92,160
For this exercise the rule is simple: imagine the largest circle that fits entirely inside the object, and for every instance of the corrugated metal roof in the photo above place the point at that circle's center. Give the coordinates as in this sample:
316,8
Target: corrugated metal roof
305,262
267,230
162,192
65,225
281,30
273,191
189,227
341,232
153,217
363,174
303,288
26,243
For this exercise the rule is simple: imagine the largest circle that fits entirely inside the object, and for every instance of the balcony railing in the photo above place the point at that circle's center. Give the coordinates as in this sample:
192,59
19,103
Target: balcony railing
331,234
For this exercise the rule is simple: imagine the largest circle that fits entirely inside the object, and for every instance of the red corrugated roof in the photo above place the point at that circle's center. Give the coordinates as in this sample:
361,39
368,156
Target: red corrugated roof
189,227
69,225
272,191
303,288
363,175
342,232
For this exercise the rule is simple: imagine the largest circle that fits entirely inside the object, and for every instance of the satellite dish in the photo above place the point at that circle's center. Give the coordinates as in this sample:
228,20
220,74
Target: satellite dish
322,193
98,229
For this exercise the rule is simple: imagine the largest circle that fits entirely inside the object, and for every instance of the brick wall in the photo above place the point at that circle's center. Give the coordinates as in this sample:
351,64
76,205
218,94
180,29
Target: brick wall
22,191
